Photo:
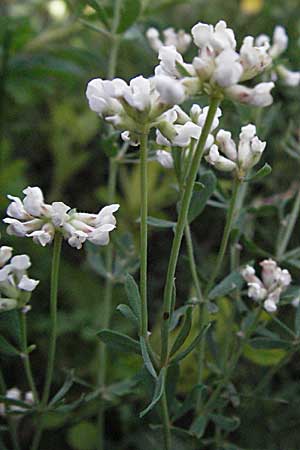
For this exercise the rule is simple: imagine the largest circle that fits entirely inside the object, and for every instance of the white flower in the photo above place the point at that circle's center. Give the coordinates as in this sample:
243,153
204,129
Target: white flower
241,159
289,77
33,201
59,217
171,91
279,42
179,40
250,148
138,93
258,96
165,159
228,69
254,59
5,254
219,38
15,394
170,59
102,94
14,281
220,163
274,282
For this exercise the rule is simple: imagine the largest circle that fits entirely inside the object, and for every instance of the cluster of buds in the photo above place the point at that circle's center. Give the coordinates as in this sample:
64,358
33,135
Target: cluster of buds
33,218
177,128
180,39
277,46
239,158
15,394
218,69
15,285
269,288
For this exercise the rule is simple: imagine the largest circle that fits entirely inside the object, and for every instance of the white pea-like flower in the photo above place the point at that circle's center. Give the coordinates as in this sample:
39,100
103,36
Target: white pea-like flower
270,286
15,285
178,128
239,158
275,48
75,227
180,39
15,394
259,96
165,159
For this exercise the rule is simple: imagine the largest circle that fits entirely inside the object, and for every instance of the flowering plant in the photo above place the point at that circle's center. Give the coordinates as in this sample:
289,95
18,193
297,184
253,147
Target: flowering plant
175,118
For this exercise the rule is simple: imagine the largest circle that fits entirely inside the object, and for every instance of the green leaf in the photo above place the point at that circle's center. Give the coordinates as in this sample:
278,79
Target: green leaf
7,348
268,343
198,426
200,197
146,358
264,357
130,12
128,313
226,423
119,341
184,332
192,346
227,285
133,295
64,389
297,321
176,316
158,392
261,173
160,223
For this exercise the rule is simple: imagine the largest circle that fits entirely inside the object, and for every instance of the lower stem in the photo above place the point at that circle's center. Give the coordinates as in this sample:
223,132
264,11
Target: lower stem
144,233
53,334
25,357
181,223
292,221
166,423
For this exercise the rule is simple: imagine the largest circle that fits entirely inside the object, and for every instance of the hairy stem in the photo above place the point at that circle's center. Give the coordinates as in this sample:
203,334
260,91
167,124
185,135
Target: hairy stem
290,227
53,334
185,203
143,234
166,423
25,356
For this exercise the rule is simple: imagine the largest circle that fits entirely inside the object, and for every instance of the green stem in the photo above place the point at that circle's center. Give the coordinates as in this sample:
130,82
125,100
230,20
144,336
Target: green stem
185,203
116,40
25,357
53,334
192,261
12,425
166,423
143,233
290,227
226,234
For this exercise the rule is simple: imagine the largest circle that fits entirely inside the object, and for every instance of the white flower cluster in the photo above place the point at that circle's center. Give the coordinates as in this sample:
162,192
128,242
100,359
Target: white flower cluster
178,128
217,70
218,67
33,218
276,48
129,107
15,394
239,158
15,285
268,289
180,39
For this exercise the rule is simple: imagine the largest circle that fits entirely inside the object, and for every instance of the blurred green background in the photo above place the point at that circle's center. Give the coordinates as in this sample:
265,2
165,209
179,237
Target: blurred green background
49,50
